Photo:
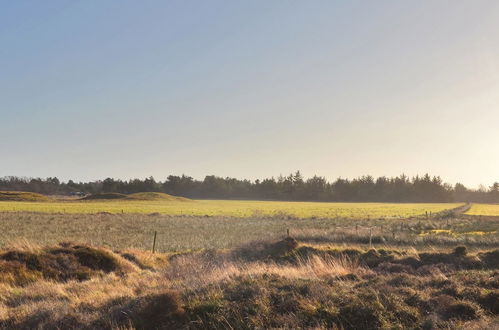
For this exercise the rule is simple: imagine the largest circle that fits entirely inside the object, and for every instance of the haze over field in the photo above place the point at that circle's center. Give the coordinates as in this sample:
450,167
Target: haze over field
91,89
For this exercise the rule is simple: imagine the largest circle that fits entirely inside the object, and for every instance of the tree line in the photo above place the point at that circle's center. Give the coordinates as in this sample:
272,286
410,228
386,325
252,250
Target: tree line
293,187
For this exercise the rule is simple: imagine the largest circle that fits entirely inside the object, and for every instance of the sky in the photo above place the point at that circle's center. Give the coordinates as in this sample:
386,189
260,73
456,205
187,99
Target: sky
91,89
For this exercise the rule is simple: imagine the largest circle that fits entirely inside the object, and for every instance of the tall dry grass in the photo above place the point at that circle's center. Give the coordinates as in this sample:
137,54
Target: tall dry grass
216,289
194,271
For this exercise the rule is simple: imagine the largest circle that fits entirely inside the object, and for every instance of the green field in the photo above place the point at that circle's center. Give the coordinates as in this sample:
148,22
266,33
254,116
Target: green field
240,209
484,209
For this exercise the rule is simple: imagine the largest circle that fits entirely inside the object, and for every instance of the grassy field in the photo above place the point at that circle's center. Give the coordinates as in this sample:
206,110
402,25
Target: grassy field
484,209
240,270
181,233
240,209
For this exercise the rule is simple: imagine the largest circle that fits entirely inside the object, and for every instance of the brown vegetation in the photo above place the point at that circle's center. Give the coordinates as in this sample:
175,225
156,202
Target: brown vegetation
143,196
104,196
180,233
22,196
329,273
282,284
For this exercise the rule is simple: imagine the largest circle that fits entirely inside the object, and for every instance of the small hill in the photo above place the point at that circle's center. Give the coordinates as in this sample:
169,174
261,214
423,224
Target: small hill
156,196
142,196
65,262
105,196
22,196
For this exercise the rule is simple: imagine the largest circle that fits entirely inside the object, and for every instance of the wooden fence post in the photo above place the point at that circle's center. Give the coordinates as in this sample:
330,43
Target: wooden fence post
370,237
154,242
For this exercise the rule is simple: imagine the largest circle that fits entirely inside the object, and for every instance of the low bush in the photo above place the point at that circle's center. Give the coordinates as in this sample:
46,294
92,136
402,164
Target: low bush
461,310
490,259
490,302
163,309
460,251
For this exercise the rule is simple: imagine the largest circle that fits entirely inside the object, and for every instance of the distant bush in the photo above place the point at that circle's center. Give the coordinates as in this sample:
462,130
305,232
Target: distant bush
460,251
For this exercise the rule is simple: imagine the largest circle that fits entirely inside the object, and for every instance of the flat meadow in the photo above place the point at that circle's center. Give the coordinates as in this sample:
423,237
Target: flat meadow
232,208
484,209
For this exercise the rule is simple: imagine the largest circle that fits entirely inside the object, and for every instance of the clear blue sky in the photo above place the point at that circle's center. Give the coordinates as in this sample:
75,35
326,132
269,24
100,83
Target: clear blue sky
249,89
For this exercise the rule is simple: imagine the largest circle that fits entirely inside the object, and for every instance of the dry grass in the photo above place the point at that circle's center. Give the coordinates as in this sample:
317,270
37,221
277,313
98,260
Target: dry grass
191,271
300,286
123,231
335,273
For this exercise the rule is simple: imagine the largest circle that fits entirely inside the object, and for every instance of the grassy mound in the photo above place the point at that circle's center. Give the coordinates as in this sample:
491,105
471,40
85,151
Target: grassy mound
105,196
22,196
156,196
383,260
142,196
63,263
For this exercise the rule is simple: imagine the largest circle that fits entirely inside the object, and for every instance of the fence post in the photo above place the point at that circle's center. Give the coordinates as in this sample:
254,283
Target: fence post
370,237
287,232
154,242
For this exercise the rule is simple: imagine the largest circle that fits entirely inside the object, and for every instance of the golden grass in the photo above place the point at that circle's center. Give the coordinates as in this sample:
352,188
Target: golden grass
484,209
457,233
157,196
218,291
183,271
230,208
180,233
188,272
191,271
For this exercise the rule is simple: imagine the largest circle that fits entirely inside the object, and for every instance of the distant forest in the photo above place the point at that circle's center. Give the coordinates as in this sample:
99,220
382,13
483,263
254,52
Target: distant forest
293,187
